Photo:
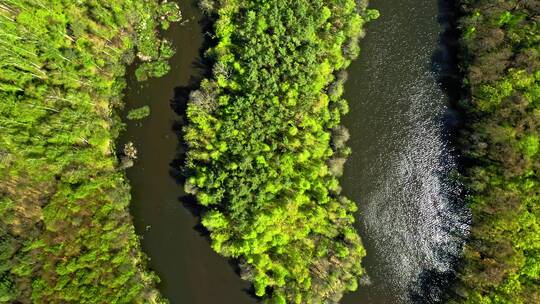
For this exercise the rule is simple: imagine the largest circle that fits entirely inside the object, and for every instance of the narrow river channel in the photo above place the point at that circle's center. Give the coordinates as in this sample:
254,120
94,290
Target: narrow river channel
399,172
190,271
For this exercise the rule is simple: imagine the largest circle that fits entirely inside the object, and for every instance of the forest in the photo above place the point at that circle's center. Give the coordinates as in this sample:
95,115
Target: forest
65,231
266,149
265,145
500,144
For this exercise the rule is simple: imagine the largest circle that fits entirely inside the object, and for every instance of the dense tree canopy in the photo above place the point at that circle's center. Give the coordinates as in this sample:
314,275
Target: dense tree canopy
65,232
501,44
266,149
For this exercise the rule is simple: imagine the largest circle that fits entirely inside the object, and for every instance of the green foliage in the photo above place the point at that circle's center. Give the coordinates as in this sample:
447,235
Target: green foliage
501,141
261,158
153,52
65,231
372,14
138,113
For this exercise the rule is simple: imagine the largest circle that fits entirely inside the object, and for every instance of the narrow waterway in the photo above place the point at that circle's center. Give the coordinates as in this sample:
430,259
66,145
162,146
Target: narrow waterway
190,272
410,218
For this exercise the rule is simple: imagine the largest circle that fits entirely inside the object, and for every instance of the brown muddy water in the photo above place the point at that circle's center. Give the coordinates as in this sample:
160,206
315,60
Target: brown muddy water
399,172
190,271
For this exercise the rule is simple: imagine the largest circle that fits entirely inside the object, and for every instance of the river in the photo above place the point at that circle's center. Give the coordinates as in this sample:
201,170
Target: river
410,216
398,173
190,271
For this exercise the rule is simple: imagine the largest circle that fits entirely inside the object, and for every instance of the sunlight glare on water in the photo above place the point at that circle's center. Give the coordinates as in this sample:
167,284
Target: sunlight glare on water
411,216
415,218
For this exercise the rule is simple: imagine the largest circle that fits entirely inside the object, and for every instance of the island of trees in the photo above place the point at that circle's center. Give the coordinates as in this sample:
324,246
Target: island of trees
65,232
266,147
501,45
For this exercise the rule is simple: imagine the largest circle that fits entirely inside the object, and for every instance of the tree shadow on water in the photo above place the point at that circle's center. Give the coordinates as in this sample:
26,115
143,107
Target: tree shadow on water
445,63
179,103
434,285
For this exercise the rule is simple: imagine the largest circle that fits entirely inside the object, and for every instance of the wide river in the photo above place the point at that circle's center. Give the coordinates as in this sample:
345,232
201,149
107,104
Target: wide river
399,92
399,173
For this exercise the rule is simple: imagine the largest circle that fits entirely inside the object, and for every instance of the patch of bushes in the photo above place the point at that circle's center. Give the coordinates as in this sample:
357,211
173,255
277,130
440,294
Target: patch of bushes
138,113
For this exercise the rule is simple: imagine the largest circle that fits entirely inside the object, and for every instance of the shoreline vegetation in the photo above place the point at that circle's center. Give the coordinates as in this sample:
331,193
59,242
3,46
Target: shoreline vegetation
65,230
501,151
265,148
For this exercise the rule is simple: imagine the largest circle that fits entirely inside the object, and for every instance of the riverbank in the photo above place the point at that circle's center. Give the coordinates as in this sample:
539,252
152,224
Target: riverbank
65,231
501,146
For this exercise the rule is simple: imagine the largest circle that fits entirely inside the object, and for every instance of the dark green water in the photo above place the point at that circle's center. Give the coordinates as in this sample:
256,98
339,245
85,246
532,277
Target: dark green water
398,171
